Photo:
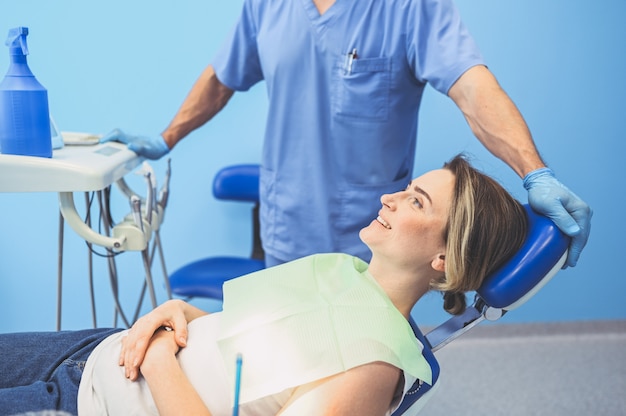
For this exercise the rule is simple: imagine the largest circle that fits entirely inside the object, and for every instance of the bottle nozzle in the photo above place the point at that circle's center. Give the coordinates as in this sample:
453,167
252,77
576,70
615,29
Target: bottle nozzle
16,41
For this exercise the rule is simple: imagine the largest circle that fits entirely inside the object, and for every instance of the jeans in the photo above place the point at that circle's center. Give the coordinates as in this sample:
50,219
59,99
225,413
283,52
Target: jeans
41,371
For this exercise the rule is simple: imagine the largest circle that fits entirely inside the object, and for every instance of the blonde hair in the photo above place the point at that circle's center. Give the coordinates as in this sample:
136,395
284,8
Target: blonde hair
485,227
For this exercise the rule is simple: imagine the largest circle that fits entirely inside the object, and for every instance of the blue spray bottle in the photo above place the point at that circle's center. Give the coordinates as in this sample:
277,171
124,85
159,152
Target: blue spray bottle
24,114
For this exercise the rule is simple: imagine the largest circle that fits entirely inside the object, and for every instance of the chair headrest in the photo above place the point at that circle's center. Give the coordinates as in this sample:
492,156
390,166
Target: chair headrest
541,255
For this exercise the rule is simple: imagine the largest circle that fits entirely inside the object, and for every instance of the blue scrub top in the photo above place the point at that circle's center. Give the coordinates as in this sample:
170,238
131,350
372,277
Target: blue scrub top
344,92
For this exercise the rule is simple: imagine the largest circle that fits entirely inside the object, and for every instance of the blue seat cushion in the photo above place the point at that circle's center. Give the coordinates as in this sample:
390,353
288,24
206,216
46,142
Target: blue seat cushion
205,277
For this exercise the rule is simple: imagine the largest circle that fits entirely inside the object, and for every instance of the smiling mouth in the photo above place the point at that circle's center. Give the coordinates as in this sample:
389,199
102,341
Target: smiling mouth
383,222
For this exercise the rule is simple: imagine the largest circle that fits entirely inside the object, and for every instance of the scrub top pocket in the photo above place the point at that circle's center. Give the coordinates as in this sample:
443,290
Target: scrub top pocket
362,88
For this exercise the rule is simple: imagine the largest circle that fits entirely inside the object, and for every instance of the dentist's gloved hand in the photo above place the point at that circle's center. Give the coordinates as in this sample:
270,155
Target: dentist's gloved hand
571,214
149,147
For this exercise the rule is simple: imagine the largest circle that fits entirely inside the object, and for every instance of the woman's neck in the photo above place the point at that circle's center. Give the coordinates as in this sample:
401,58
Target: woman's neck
403,286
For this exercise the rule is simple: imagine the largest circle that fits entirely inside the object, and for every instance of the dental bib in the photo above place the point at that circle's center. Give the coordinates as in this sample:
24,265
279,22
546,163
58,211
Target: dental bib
310,319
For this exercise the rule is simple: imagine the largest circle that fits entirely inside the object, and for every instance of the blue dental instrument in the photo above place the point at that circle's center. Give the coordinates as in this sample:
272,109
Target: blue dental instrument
237,384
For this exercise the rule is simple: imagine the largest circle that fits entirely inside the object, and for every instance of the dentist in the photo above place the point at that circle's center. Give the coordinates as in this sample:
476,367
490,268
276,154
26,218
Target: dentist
344,91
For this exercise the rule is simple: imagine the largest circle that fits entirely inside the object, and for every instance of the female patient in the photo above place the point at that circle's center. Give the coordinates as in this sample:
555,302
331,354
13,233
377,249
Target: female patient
314,334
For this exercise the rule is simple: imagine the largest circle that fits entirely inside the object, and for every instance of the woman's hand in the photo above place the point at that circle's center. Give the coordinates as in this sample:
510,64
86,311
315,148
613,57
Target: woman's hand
174,314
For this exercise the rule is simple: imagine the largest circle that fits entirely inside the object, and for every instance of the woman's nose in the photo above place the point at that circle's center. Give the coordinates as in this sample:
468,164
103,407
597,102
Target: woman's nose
387,200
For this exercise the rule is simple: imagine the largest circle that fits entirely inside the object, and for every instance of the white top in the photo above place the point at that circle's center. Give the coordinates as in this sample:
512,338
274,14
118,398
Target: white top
293,324
105,390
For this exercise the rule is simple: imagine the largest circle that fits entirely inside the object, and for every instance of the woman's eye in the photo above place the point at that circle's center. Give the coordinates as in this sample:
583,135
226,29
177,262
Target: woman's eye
417,202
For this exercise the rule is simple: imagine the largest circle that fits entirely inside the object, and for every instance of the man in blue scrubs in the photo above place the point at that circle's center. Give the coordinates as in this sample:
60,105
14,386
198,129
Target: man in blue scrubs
345,81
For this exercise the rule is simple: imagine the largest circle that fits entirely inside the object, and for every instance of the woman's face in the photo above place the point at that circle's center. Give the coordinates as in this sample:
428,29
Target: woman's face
410,227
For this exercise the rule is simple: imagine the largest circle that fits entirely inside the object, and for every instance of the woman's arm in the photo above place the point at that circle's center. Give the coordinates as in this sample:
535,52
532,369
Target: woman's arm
172,392
174,314
367,390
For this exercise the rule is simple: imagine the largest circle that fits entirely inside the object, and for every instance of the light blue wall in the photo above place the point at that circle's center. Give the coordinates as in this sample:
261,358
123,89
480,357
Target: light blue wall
130,64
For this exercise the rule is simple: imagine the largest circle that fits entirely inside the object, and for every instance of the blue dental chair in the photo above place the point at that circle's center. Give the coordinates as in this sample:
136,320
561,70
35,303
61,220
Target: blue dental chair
205,277
542,255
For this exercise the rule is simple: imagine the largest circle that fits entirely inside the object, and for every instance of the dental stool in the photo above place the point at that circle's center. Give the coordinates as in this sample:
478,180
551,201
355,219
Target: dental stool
205,277
542,255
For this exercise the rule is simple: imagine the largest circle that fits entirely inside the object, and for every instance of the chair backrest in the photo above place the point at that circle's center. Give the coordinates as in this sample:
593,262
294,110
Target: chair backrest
237,183
241,183
541,256
419,392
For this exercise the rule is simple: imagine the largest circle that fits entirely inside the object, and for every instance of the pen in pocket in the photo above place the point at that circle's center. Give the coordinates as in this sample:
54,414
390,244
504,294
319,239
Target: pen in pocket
351,57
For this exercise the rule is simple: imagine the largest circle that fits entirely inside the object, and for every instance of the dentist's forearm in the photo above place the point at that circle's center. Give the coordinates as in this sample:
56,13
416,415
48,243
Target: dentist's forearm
207,97
495,120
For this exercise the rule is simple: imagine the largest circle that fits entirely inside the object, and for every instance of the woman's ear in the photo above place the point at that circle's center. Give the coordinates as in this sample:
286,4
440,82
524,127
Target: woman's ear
439,263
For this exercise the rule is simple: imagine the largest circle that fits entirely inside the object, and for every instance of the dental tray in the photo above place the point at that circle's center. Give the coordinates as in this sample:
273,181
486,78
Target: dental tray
71,168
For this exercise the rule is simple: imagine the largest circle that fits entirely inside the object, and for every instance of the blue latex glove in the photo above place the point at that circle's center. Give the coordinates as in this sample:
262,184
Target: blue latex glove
149,147
572,215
